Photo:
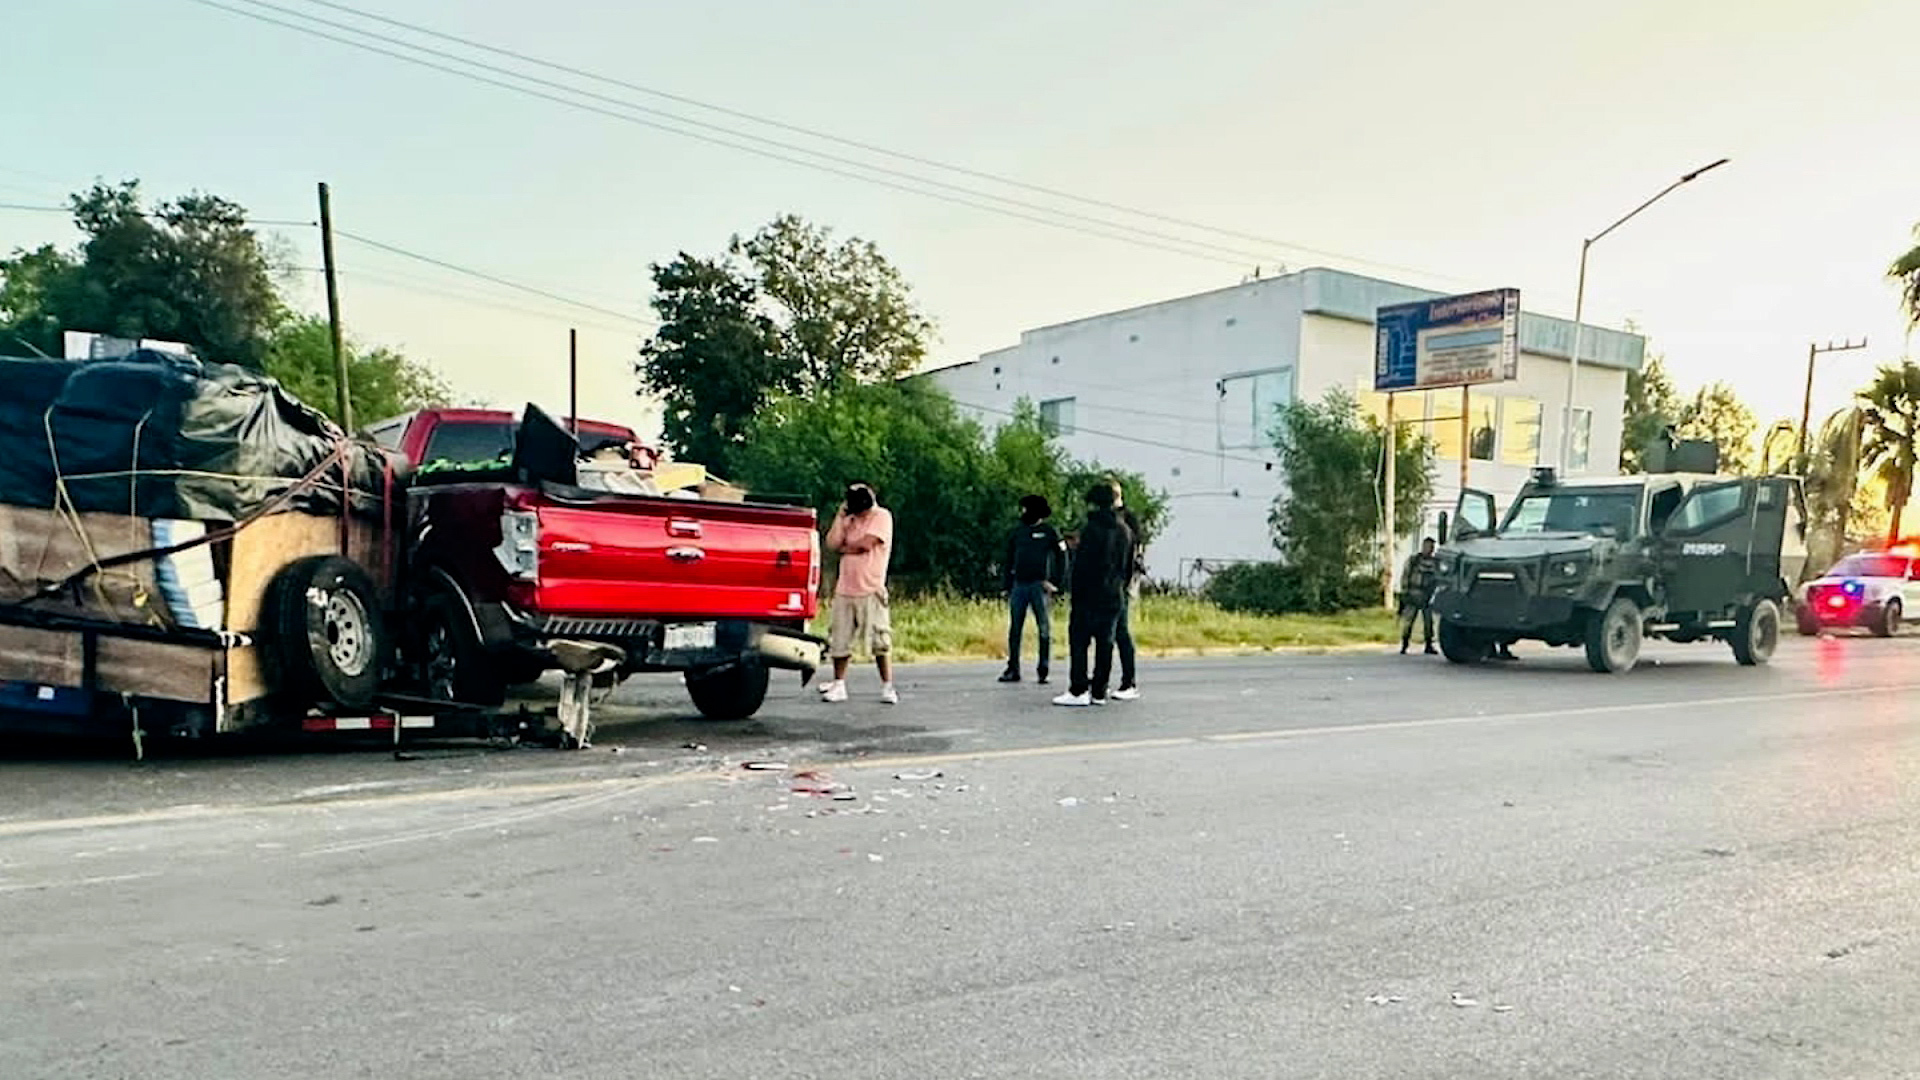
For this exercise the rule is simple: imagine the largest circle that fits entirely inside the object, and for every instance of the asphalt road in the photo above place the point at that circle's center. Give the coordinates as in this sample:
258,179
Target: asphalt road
1336,866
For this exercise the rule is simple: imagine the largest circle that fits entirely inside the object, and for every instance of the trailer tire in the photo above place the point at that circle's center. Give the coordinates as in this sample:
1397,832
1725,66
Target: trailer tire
729,693
454,667
325,642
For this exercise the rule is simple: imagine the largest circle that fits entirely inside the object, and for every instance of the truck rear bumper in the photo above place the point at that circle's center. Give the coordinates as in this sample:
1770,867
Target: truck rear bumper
672,645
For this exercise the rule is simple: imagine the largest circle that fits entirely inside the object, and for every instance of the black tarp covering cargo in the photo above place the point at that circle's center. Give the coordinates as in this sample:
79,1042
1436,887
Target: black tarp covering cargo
159,436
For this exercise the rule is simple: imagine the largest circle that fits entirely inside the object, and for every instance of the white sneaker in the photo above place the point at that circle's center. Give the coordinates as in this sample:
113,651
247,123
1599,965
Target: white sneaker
889,696
1127,693
1099,701
1075,701
835,693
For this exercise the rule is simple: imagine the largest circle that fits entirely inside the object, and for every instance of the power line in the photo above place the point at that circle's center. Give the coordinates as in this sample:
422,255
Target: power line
416,285
271,223
1098,227
857,144
484,276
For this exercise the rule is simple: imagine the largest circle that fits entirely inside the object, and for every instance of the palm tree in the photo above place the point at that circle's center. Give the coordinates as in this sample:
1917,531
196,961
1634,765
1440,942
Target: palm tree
1892,433
1906,271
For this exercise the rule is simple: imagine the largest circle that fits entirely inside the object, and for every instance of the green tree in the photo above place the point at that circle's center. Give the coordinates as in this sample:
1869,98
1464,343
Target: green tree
843,312
1653,405
1327,520
785,311
1906,272
1891,439
188,270
29,283
953,486
1718,415
381,383
713,363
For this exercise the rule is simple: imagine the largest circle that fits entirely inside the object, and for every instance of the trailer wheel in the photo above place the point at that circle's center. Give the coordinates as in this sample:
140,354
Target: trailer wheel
324,641
729,693
453,666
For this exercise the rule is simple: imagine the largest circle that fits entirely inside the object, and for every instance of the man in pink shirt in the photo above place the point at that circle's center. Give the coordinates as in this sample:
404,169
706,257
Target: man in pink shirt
862,532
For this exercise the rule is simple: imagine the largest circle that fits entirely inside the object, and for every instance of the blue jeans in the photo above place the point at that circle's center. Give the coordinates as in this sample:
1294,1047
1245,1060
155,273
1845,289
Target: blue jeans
1024,597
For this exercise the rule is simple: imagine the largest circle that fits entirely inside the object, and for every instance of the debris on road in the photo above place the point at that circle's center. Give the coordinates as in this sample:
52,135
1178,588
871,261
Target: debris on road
914,775
706,839
1384,999
1503,1008
1069,802
764,766
1462,1001
871,857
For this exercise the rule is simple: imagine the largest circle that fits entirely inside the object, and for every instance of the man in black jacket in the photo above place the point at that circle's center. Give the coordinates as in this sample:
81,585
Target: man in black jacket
1035,554
1101,565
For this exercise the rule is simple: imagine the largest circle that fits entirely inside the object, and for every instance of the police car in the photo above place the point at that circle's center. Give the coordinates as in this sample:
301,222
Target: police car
1874,590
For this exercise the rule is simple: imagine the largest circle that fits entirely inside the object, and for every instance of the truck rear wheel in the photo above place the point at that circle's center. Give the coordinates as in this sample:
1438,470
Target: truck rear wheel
730,693
1613,637
1756,633
325,643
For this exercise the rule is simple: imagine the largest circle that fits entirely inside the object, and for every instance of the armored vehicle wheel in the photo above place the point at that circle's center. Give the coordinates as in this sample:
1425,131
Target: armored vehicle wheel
1462,646
1613,637
1756,633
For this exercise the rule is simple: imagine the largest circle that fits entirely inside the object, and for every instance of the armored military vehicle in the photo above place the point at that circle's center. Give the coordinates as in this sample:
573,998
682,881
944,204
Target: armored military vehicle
1601,564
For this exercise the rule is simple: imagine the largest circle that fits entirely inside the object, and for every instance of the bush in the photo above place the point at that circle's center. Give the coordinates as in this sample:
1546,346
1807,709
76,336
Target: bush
1272,588
952,485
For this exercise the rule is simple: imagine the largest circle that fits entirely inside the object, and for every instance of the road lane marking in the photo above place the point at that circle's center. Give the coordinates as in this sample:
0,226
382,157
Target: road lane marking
73,883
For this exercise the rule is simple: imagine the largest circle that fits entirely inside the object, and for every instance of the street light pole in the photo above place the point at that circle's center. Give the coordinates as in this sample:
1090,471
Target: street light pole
1579,304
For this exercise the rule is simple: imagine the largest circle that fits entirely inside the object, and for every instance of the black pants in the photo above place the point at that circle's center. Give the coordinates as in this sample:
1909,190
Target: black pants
1123,644
1411,608
1091,625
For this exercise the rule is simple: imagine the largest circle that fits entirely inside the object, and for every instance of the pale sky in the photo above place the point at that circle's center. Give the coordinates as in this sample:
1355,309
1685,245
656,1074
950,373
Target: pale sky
1476,142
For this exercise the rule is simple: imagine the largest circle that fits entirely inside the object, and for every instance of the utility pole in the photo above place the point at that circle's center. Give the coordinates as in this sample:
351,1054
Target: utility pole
341,400
573,382
1806,400
1393,454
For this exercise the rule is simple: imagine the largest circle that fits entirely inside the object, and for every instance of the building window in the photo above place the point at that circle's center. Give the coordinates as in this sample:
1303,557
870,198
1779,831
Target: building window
1481,433
1520,431
1580,449
1443,425
1057,416
1250,407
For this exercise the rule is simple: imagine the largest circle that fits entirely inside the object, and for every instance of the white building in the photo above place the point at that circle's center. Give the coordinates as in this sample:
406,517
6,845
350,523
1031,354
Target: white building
1185,392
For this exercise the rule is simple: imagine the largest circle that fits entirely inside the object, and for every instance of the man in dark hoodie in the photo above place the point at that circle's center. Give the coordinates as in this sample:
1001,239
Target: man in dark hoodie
1101,565
1035,554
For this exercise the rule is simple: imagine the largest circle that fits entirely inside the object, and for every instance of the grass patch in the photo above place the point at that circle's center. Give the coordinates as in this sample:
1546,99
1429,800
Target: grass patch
951,628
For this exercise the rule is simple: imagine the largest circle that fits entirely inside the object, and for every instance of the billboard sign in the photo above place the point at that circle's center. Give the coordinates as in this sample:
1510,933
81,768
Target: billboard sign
1448,341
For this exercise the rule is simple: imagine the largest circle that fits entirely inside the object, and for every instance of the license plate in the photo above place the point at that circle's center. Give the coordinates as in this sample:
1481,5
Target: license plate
689,636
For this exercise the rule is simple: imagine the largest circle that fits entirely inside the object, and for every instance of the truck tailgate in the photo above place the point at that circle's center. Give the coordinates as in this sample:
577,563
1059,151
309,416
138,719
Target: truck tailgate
619,556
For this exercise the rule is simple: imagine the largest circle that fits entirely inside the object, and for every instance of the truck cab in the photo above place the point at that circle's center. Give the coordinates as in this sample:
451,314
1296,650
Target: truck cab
1601,563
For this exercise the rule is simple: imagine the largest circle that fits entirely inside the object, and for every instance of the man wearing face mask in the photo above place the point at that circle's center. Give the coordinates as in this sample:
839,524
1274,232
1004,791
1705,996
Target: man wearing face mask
862,533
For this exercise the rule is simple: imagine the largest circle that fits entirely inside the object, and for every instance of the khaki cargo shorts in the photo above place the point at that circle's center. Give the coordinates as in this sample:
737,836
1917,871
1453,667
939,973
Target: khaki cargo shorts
865,621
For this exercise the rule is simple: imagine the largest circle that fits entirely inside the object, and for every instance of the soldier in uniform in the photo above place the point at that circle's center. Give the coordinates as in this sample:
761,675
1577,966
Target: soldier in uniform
1417,581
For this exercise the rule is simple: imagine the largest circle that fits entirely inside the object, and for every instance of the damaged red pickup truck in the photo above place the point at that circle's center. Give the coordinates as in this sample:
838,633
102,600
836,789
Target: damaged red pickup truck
502,568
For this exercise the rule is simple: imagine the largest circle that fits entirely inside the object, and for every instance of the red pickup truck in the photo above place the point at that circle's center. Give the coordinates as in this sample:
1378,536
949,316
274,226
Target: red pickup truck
508,556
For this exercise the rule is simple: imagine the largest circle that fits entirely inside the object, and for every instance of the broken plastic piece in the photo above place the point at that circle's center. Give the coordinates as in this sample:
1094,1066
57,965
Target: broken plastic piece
764,766
917,774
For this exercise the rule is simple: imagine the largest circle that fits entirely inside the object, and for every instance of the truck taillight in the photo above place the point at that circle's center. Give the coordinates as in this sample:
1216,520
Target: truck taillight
519,550
813,561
